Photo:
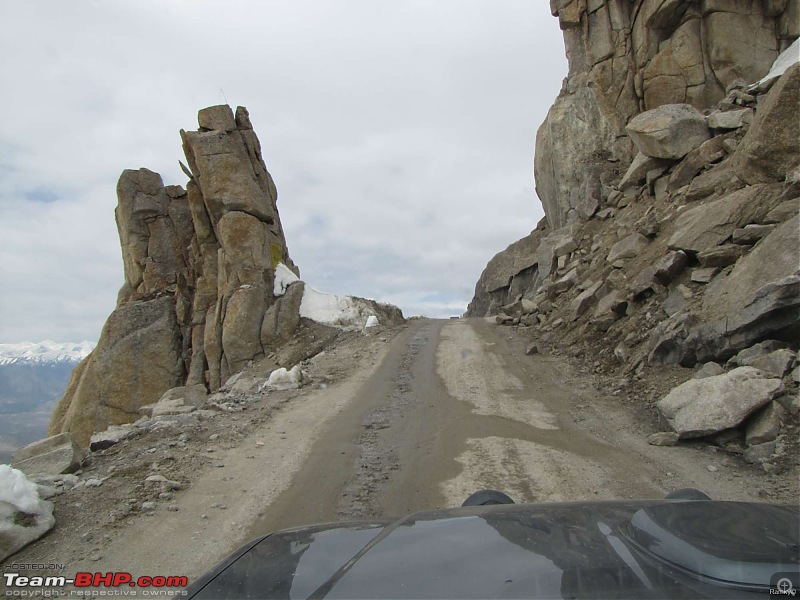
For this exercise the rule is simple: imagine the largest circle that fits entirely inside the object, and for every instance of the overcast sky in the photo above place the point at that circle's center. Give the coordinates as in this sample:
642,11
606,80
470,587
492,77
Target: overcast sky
400,135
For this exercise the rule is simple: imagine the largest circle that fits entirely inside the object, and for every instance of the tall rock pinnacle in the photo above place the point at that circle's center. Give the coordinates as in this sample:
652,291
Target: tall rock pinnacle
199,275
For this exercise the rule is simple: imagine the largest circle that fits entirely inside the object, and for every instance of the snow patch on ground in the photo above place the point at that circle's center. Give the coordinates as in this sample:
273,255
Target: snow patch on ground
337,311
786,59
281,379
16,490
284,277
345,312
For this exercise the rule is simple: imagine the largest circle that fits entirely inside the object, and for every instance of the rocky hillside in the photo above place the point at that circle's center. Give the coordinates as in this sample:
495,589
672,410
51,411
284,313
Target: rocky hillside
201,299
669,170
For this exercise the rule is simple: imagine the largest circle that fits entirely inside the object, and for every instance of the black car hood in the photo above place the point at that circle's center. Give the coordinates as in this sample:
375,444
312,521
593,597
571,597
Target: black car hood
656,549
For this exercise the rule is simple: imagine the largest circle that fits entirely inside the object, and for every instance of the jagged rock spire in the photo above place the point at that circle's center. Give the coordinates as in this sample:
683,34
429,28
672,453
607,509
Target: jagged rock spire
199,270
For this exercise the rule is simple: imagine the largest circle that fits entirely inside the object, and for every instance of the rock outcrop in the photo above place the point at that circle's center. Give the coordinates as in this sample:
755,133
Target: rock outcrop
198,303
669,171
51,456
627,57
700,407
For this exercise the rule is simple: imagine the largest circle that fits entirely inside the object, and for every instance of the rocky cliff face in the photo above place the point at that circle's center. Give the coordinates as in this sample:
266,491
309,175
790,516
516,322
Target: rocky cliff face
626,57
198,303
669,170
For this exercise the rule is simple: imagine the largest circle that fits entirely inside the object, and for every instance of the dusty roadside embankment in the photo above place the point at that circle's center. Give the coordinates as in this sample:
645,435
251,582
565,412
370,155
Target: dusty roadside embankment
229,468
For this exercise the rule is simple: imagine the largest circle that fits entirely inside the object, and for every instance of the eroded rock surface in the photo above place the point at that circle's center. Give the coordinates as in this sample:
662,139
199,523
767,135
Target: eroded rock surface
629,57
709,405
198,303
681,139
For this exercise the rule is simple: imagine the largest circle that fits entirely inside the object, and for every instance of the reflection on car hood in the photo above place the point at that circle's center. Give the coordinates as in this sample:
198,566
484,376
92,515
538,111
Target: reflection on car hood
655,549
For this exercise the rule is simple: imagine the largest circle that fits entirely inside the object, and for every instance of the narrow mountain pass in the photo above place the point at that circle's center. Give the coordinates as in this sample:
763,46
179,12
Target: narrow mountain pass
410,418
456,406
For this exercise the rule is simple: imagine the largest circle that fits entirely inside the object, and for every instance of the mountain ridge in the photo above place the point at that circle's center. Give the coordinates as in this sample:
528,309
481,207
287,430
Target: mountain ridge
45,352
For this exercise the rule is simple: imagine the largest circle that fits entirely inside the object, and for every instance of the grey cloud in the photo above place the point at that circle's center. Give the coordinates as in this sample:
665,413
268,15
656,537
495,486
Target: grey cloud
400,135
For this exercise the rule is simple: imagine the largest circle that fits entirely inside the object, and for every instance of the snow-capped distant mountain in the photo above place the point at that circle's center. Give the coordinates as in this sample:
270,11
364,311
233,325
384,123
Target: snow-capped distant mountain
33,376
42,353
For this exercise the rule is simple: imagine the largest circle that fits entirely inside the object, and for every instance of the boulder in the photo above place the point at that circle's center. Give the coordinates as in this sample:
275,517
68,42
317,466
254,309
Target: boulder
610,308
718,180
721,256
670,131
701,407
216,117
707,153
111,436
755,351
628,247
759,453
751,234
663,438
710,224
731,119
783,211
765,425
704,275
772,312
640,167
670,266
667,342
51,456
650,226
182,399
503,319
519,308
555,244
584,300
709,369
644,282
771,147
590,198
778,363
677,300
192,395
564,283
775,257
24,516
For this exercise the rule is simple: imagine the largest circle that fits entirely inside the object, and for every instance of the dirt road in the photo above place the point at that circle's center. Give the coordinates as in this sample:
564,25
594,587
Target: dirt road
456,406
414,418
